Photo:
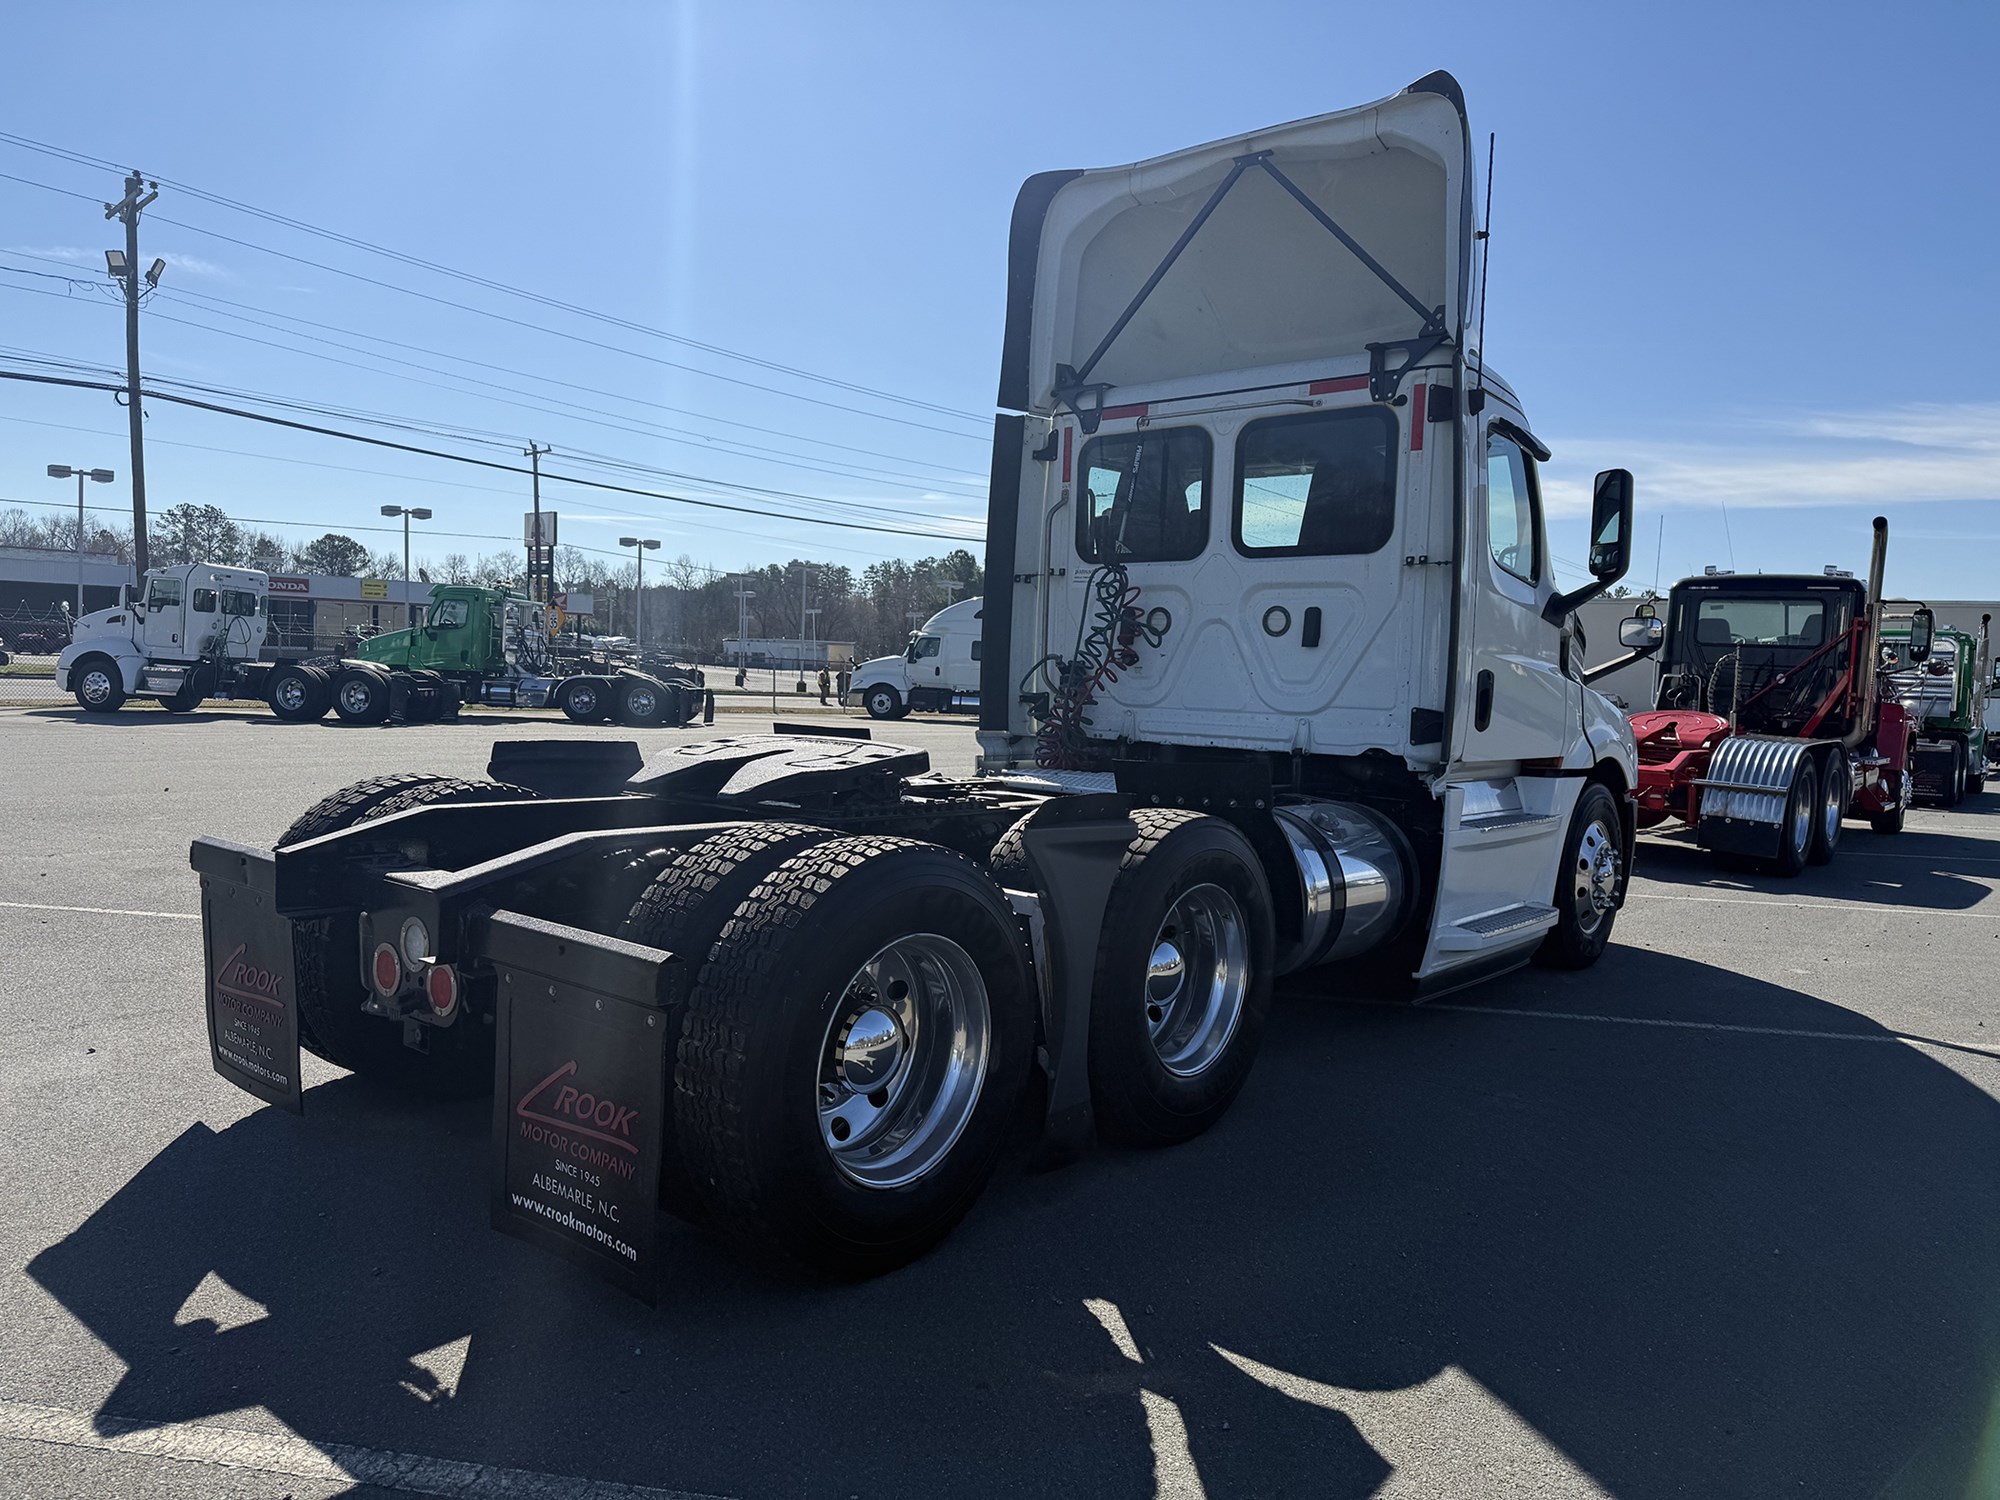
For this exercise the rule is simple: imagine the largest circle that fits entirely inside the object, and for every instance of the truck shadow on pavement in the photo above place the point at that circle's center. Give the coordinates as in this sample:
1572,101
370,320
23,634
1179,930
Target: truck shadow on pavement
1929,870
1486,1249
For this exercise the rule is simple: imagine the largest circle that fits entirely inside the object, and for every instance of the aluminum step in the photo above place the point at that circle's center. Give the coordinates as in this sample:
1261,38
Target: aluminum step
1506,822
1496,929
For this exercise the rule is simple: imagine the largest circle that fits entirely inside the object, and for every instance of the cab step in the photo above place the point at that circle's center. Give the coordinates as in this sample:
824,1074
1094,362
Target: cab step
1495,929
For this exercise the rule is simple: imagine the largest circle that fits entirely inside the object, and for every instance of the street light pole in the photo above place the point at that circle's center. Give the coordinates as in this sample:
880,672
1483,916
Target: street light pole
409,514
640,547
101,476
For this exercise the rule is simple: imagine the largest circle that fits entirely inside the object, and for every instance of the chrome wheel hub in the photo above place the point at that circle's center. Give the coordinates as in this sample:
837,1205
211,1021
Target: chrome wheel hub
641,704
355,697
583,700
1597,868
291,694
96,686
1197,979
903,1062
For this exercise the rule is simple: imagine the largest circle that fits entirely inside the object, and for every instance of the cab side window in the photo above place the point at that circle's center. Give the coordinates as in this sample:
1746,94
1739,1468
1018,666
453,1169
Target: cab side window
163,593
1513,508
1144,496
448,615
204,601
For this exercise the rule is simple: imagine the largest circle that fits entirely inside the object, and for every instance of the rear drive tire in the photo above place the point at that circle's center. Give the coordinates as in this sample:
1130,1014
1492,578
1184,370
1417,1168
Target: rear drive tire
1834,793
643,705
360,697
1955,788
326,956
296,694
583,702
683,911
853,1054
186,701
1183,979
883,702
98,687
1588,883
1795,834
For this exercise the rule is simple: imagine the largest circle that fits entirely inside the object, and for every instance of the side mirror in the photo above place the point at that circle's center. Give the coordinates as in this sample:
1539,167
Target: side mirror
1923,626
1610,542
1641,633
1611,526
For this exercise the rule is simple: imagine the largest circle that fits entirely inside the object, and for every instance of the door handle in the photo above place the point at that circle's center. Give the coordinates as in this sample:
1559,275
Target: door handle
1482,701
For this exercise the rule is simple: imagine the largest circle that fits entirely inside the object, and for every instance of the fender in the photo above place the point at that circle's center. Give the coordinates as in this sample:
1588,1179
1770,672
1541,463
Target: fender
130,663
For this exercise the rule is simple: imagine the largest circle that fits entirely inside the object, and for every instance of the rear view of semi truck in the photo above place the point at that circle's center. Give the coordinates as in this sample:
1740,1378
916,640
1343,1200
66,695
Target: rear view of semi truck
1275,673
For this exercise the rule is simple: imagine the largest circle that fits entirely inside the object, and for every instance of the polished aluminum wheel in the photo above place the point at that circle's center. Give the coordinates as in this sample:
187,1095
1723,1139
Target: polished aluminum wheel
582,700
1597,869
1197,979
356,697
96,685
290,694
903,1061
641,703
1833,802
1802,812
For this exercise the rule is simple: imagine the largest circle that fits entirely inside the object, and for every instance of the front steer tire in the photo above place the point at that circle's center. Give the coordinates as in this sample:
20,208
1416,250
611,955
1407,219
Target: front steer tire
1583,928
768,1047
327,963
98,687
1190,899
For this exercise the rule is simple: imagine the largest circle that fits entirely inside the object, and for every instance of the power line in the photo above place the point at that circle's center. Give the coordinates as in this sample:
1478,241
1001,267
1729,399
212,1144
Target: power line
455,273
639,431
543,328
486,463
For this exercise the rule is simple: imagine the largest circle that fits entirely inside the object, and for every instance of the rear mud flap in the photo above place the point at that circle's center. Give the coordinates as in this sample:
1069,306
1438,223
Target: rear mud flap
580,1095
253,1017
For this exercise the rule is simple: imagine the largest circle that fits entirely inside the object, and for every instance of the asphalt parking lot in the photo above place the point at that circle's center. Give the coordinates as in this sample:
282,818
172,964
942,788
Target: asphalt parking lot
1720,1217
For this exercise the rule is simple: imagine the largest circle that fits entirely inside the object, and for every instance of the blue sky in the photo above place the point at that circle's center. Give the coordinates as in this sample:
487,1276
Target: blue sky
1746,251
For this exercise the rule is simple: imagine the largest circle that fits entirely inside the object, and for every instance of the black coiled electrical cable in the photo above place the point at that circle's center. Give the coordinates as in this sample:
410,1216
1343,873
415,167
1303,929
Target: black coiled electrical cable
1107,637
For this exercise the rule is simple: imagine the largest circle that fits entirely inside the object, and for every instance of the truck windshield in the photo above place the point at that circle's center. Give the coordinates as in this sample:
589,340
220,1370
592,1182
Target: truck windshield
447,616
1762,652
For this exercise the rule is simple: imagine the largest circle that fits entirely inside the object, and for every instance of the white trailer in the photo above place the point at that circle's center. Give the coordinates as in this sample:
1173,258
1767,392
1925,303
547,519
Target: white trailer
1275,674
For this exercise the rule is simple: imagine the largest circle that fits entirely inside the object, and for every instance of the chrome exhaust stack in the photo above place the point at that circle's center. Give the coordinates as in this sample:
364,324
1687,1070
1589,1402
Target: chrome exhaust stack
1356,880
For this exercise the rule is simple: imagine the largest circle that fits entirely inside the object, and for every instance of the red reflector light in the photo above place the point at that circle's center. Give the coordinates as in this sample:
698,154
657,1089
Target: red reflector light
387,970
441,987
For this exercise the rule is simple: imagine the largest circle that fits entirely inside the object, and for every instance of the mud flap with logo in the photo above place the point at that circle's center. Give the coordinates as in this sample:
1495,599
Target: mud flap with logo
253,1018
580,1095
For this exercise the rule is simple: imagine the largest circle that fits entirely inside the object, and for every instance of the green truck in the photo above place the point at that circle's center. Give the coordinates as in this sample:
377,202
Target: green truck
197,631
1946,693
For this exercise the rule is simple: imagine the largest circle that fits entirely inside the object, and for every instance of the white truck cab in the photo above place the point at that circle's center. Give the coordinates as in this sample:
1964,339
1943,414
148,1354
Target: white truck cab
153,645
938,670
1266,518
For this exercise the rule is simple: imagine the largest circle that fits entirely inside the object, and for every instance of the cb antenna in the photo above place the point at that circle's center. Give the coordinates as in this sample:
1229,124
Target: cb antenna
1476,402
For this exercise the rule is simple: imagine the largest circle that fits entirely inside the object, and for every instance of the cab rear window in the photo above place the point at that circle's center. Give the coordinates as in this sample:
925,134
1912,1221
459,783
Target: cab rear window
1143,496
1316,484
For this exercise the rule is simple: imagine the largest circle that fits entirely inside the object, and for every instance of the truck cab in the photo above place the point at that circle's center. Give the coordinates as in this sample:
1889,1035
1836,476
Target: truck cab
937,670
1262,506
468,632
1944,690
177,624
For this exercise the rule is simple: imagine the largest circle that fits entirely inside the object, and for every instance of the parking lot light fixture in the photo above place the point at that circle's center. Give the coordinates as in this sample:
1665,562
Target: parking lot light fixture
409,513
640,547
80,474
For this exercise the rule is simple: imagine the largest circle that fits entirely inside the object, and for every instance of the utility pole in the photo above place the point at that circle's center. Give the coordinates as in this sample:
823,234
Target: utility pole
128,209
533,453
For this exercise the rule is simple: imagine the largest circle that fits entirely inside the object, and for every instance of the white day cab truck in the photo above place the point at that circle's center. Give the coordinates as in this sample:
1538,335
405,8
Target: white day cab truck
197,631
1276,674
937,672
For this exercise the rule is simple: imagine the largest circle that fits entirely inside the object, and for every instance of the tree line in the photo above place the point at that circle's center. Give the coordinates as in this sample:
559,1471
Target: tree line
689,609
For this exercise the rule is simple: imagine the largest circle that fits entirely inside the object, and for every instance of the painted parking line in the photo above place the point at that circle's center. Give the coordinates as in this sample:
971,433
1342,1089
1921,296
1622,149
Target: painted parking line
1851,908
1797,1032
294,1457
103,911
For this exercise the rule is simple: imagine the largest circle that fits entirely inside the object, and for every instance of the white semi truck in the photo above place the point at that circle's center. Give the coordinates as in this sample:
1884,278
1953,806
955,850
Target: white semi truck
938,670
1276,674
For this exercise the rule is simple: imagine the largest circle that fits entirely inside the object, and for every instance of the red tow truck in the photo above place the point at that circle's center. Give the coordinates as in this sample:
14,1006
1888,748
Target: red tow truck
1769,725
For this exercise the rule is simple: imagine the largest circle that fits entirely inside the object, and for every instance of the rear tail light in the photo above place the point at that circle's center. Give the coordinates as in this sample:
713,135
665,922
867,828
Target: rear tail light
386,970
441,989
